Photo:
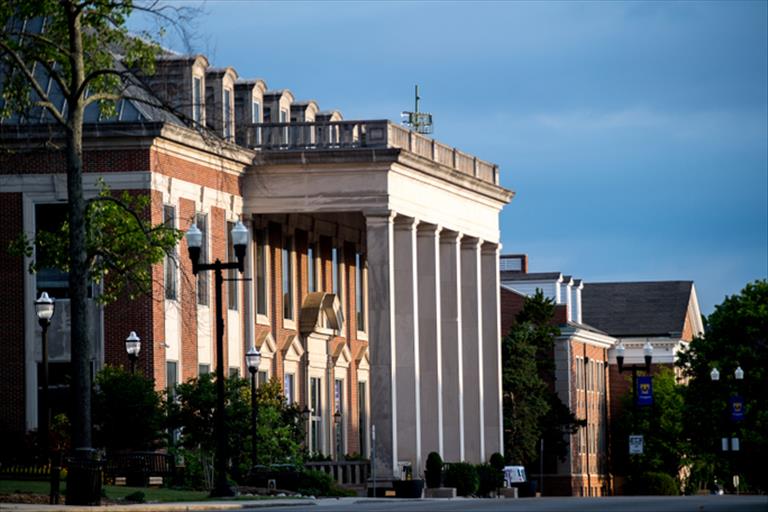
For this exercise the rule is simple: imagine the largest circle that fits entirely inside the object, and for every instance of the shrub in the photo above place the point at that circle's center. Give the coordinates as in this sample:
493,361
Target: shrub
497,461
653,484
434,473
490,479
320,483
136,497
462,476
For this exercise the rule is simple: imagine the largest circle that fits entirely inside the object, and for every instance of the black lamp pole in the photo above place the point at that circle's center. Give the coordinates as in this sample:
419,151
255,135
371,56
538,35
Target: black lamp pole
337,422
44,308
252,359
194,242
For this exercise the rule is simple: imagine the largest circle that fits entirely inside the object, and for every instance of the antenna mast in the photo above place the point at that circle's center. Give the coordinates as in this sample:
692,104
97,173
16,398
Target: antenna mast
420,122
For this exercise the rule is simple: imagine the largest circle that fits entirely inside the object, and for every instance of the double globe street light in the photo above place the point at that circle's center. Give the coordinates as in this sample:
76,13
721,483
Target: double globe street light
239,235
647,357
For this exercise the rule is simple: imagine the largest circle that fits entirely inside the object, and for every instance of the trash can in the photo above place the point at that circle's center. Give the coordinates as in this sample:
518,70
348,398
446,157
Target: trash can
84,473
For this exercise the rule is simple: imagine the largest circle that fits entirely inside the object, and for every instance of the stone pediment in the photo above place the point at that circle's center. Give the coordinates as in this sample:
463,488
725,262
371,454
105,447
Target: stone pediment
321,312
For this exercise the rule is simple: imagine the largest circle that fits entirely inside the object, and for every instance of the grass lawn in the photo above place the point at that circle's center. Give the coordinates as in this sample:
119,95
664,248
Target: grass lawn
114,492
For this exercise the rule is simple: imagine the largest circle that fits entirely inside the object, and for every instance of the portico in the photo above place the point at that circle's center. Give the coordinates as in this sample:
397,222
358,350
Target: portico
427,222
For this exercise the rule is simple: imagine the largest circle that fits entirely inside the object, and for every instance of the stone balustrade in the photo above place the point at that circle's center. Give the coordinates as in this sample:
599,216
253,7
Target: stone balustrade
361,134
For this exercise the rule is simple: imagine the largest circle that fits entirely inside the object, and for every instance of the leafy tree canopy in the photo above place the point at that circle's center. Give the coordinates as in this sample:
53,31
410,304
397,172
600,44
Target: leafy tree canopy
735,336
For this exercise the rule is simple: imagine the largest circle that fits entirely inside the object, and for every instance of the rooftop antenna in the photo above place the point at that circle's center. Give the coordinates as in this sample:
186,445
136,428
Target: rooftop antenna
420,122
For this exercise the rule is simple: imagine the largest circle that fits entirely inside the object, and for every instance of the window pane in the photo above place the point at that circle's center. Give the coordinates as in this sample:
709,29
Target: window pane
201,220
288,388
171,378
287,279
361,414
169,215
202,369
335,276
311,278
227,114
232,283
359,292
197,104
261,273
50,217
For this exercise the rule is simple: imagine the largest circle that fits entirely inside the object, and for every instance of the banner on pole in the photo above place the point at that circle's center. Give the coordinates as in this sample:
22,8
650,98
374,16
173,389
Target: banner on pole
737,408
644,390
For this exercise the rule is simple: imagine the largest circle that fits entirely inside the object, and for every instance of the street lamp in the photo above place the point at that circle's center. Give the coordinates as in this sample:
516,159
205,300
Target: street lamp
736,413
44,308
239,241
648,358
252,359
133,347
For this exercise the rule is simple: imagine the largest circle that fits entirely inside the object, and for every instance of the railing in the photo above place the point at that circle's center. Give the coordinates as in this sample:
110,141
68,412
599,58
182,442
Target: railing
361,134
353,472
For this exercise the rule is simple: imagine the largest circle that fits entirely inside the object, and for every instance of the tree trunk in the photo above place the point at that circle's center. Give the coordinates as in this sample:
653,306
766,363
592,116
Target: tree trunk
78,271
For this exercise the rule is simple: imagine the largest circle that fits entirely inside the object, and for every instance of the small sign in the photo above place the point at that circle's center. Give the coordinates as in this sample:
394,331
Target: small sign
737,408
736,480
635,445
644,390
735,444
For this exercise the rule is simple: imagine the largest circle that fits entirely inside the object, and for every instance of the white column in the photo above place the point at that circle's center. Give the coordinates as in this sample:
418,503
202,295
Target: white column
428,248
381,325
451,347
472,334
491,348
407,347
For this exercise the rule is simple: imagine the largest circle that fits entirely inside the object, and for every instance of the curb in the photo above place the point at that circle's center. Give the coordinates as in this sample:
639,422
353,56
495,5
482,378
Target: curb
161,507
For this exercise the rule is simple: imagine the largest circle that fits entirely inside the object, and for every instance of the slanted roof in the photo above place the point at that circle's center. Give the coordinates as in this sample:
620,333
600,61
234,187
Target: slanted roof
508,275
652,308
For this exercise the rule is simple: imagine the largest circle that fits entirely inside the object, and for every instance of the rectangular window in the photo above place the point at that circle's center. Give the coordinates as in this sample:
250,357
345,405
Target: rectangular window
316,432
267,114
232,277
335,272
171,377
363,418
359,292
261,272
203,369
171,284
288,388
197,100
227,114
311,275
201,220
338,396
261,378
234,371
287,278
50,218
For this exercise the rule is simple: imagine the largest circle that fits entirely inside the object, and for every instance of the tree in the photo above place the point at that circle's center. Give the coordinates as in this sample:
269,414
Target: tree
84,49
532,410
735,336
280,431
120,399
661,425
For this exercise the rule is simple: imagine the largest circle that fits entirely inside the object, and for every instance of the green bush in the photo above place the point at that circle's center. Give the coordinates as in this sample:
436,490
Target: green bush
320,483
462,476
497,461
434,473
490,479
653,484
136,497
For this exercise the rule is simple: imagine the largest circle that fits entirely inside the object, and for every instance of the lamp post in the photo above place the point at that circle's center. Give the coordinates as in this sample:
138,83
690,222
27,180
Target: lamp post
252,359
337,424
133,347
194,242
736,413
44,308
647,356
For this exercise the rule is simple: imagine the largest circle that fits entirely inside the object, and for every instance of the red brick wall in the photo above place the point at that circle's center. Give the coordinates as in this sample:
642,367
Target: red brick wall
12,308
188,297
511,304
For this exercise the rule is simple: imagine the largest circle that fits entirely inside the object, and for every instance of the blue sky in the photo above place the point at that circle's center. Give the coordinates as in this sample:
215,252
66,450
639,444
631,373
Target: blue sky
635,135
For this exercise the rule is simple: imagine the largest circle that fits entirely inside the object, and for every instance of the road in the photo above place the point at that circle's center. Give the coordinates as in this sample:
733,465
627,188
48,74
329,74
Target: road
613,504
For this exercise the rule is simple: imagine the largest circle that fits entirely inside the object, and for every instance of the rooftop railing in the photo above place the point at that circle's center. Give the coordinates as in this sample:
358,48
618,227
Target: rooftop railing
361,134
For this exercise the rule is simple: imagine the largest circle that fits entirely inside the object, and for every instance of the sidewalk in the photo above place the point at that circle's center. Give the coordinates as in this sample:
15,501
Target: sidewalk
166,507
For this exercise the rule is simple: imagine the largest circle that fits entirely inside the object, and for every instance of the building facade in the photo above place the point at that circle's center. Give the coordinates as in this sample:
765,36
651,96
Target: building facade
371,280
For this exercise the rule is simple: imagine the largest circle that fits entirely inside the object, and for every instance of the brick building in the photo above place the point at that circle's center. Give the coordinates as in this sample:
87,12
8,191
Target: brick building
373,264
593,319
